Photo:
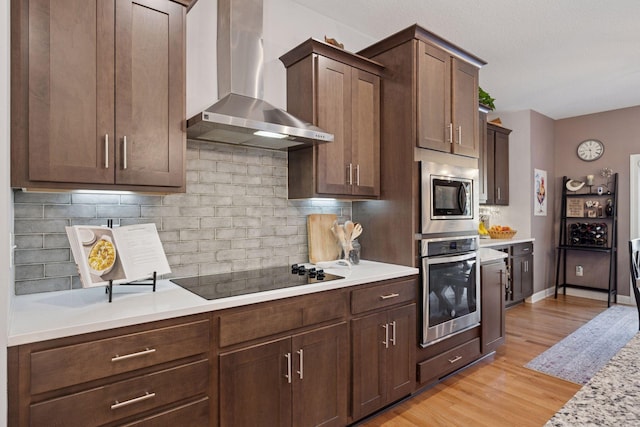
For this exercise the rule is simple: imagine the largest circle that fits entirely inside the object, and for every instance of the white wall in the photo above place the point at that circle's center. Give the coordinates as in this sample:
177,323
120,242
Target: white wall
6,272
520,210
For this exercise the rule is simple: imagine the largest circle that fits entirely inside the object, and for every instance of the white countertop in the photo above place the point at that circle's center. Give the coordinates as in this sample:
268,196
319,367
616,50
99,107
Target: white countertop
485,243
50,315
489,255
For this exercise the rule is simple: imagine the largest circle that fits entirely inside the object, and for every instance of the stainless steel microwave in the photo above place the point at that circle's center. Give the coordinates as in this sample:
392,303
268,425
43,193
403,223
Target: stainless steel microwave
449,198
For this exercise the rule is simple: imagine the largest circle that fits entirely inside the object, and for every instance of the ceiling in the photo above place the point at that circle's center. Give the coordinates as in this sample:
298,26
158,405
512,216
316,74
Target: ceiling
561,58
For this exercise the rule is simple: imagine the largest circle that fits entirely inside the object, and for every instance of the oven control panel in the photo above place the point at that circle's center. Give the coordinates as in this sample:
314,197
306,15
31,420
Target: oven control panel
449,246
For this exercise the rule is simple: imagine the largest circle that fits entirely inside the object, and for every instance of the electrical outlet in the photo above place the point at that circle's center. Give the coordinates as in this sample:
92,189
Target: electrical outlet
579,270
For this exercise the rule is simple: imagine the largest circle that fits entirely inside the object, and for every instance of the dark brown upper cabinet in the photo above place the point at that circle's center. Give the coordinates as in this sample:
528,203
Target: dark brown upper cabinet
339,92
447,102
433,86
98,95
495,159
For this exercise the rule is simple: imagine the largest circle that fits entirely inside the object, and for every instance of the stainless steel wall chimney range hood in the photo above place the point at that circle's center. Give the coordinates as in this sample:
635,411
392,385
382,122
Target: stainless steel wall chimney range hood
241,117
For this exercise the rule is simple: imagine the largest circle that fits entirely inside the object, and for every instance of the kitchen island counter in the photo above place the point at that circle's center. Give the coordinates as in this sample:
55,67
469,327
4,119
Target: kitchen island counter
51,315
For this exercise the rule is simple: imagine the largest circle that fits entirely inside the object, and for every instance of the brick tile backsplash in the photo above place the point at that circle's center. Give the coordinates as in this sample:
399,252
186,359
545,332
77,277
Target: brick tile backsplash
234,216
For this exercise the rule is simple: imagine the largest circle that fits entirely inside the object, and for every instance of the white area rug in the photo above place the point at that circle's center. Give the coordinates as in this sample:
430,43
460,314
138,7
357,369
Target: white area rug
583,353
610,398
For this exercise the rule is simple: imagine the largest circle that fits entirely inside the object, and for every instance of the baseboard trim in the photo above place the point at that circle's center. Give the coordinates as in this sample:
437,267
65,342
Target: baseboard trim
582,293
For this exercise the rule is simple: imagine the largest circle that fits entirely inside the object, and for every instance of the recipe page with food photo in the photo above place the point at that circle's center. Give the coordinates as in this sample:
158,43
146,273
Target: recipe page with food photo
121,255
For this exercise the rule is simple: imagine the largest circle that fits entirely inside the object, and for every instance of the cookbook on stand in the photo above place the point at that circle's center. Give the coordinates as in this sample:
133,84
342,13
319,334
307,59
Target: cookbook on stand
117,255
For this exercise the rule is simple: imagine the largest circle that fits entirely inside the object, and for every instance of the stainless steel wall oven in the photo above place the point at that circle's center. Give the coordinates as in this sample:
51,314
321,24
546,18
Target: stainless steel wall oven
450,287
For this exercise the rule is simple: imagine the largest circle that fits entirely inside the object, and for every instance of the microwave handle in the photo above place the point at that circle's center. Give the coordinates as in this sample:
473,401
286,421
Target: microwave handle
462,198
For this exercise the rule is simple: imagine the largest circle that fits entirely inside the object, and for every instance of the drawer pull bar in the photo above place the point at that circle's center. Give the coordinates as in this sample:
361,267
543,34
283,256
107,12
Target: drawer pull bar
301,371
386,335
106,151
455,359
393,333
288,374
124,163
146,396
389,296
117,358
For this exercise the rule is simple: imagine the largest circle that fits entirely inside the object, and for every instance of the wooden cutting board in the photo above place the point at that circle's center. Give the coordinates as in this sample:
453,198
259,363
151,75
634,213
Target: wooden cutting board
323,245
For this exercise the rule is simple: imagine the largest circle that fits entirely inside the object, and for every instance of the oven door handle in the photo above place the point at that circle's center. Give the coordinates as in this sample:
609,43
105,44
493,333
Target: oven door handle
442,259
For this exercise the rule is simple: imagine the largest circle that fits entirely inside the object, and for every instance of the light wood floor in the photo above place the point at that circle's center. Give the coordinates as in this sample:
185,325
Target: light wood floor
500,391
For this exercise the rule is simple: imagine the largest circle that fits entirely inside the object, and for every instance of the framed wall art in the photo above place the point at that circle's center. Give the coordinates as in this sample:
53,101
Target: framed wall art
540,192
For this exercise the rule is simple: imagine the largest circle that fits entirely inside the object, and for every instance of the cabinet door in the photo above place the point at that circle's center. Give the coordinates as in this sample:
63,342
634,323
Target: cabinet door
465,108
320,369
501,168
492,305
527,277
71,86
491,167
400,363
368,355
150,100
254,389
483,159
434,99
522,277
365,133
333,111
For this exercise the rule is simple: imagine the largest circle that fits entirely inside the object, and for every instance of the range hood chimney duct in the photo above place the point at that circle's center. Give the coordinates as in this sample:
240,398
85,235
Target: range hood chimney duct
240,116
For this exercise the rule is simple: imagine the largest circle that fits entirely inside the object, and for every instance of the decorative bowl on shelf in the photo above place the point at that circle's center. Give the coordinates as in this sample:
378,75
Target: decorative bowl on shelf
502,234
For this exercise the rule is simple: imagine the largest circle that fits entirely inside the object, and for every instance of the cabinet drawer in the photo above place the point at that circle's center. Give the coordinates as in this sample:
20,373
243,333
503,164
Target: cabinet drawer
432,369
195,414
109,403
522,249
279,316
79,363
382,296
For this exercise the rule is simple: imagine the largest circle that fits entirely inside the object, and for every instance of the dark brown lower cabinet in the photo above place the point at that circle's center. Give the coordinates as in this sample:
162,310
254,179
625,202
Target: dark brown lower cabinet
293,381
521,286
383,345
153,374
493,284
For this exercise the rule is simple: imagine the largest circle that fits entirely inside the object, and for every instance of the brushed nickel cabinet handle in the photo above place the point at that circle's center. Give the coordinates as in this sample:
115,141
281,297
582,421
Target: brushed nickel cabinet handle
144,352
393,333
450,127
358,175
124,163
350,174
301,371
288,374
499,195
386,335
145,396
106,151
459,135
455,359
389,296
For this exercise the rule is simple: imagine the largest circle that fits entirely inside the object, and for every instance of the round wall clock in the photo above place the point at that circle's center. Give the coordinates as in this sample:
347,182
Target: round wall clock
590,150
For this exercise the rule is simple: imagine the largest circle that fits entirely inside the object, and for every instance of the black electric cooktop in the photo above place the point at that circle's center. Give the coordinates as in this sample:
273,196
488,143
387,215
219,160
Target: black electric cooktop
217,286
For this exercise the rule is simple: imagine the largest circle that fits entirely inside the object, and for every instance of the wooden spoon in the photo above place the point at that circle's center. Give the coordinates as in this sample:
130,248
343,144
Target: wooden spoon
348,230
357,230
